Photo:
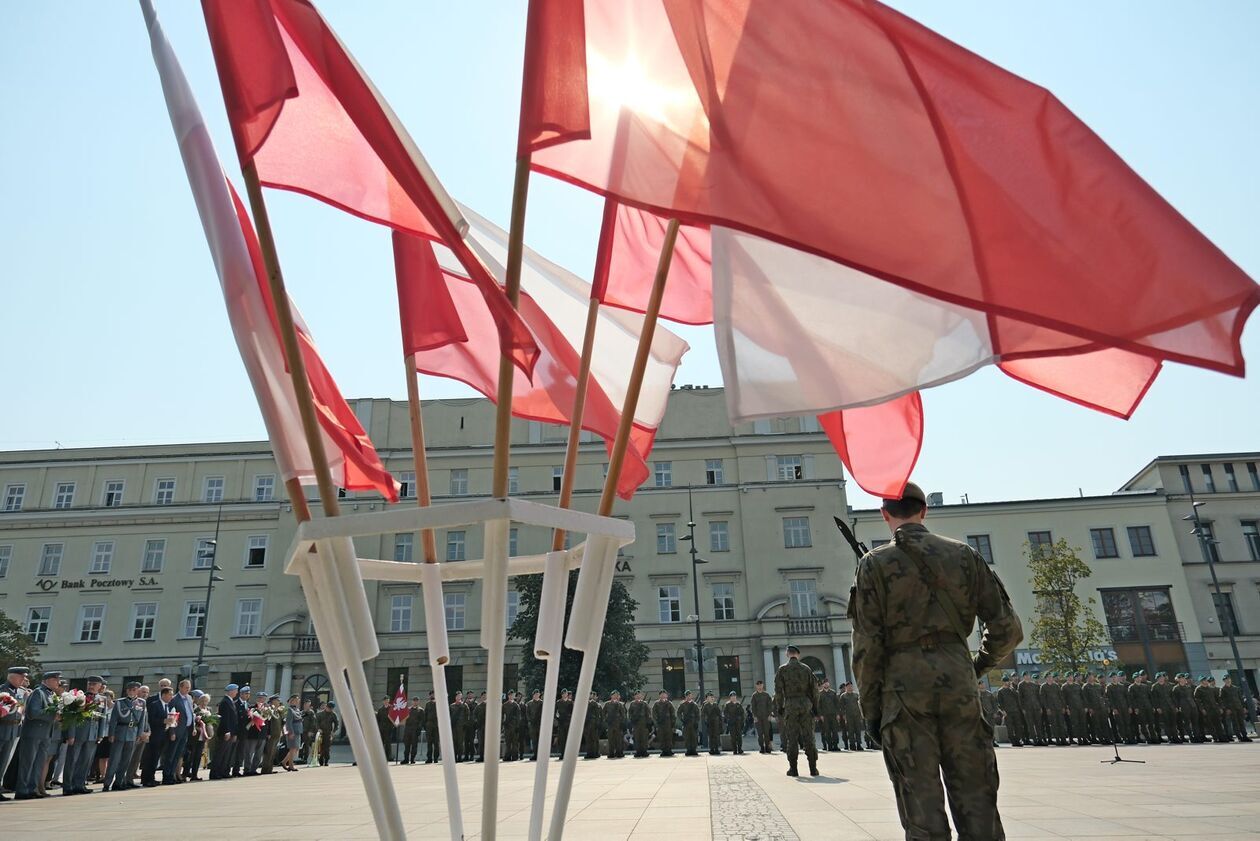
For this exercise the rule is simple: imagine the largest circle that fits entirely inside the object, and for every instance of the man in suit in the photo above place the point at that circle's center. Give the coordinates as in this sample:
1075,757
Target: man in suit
158,708
239,748
126,720
37,727
11,722
81,746
177,736
221,765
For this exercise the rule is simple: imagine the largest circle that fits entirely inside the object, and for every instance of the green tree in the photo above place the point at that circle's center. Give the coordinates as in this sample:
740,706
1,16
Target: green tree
16,648
1066,627
620,654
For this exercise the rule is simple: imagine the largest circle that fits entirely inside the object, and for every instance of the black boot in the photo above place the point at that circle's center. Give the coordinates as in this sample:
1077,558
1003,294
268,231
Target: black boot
792,765
813,767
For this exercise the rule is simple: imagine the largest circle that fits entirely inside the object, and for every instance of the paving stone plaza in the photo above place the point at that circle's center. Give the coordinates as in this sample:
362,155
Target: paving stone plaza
1182,792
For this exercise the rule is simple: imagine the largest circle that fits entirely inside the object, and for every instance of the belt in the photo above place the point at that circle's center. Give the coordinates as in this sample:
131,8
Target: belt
927,642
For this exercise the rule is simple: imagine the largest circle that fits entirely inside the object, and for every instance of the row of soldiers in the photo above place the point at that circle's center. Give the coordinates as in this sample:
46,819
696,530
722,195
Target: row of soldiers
660,724
1082,709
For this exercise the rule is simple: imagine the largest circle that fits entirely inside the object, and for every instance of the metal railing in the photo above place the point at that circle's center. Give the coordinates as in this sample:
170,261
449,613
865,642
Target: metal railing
805,627
1155,632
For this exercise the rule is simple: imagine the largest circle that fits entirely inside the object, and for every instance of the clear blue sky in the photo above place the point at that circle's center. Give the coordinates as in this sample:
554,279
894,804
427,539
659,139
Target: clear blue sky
113,327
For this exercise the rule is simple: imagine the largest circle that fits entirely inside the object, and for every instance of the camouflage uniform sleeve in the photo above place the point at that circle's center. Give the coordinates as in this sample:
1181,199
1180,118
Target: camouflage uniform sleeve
813,693
779,695
1002,628
869,645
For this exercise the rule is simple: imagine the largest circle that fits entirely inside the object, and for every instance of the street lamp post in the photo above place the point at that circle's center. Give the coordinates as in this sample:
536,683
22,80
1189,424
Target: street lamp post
690,537
1207,545
211,553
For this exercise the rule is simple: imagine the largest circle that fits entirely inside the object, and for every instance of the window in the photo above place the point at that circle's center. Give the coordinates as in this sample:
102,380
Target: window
664,473
514,480
143,620
1230,479
213,491
194,619
983,546
1250,530
13,496
713,472
63,496
719,536
102,557
37,621
513,607
723,601
1140,541
513,544
669,603
455,611
1184,470
91,619
1105,542
50,559
407,481
256,551
1254,474
790,468
796,533
455,546
459,482
665,542
113,496
400,614
1224,603
264,487
203,553
804,597
557,476
6,555
154,555
1207,543
1038,542
163,491
404,547
1208,482
248,617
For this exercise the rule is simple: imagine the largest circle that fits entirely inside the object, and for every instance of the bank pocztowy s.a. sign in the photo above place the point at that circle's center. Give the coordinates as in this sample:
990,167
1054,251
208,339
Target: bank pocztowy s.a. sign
50,584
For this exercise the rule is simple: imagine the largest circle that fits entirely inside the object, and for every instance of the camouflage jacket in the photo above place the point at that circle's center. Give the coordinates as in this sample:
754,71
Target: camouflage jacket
533,712
688,714
733,713
1008,700
850,705
1092,695
761,704
1206,699
1161,694
711,712
795,687
903,640
1052,697
639,713
1073,696
1231,698
614,715
828,703
663,715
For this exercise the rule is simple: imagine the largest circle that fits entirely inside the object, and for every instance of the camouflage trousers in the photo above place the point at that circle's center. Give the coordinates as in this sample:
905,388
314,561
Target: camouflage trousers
764,738
926,737
1015,726
798,732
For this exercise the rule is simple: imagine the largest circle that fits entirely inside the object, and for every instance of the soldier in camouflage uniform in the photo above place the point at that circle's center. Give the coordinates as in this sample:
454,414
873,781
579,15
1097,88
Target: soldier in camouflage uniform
796,705
459,718
590,728
533,713
851,718
1093,695
1188,726
431,748
1074,699
564,715
1121,712
828,707
640,715
711,715
512,719
1165,710
988,707
1233,711
1143,710
762,706
1030,704
733,716
663,720
1055,709
615,721
913,608
1008,702
1209,710
689,723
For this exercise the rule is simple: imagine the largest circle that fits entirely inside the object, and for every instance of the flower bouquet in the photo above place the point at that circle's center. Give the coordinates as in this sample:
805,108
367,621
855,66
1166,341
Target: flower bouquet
8,704
256,719
206,717
75,707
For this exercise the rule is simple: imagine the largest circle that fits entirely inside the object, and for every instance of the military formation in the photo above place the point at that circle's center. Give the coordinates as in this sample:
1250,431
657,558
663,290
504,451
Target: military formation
1082,709
53,737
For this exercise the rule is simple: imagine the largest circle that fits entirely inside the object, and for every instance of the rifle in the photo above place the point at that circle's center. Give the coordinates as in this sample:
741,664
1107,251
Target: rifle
859,548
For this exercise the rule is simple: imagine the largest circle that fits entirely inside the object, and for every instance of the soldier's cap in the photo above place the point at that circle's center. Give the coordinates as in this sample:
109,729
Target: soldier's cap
707,694
135,684
1228,677
1138,673
1036,675
230,687
95,679
331,705
792,648
196,693
913,493
1052,674
1006,678
19,670
1202,678
1211,679
1161,674
732,694
50,675
245,689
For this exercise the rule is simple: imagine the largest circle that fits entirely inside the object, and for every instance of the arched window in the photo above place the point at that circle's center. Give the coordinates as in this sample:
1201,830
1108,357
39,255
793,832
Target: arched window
815,666
317,688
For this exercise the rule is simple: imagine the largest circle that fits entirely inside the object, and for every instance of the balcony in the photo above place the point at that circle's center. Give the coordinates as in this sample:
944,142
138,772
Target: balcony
807,627
1155,632
306,644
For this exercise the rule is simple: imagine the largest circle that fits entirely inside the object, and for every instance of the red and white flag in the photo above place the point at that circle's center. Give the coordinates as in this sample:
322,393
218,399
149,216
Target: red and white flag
398,709
879,224
353,460
309,119
445,324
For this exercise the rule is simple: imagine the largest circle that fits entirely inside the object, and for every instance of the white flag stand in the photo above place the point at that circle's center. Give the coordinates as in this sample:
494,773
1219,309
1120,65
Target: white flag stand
322,555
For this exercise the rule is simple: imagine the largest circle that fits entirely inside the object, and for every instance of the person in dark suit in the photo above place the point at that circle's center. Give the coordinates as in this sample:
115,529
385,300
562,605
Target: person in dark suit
221,764
243,704
158,708
177,736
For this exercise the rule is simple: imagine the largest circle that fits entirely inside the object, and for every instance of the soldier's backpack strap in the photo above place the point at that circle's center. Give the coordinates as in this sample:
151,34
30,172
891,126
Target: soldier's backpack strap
938,591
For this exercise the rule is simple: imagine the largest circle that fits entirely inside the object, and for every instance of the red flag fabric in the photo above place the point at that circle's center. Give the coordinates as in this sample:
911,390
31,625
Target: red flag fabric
398,711
913,162
879,444
311,121
555,75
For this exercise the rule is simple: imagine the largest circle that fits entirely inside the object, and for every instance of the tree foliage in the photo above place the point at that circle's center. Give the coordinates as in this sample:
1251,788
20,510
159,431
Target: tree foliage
16,648
1066,627
620,653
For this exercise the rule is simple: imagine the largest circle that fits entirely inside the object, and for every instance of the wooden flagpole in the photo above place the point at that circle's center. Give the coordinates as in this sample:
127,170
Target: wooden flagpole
424,497
389,818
